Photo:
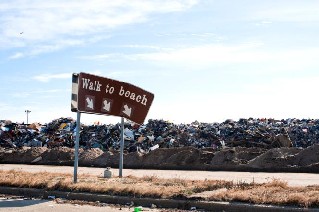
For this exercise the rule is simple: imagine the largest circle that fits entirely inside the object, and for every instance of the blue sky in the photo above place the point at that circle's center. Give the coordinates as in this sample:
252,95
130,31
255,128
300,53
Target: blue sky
207,60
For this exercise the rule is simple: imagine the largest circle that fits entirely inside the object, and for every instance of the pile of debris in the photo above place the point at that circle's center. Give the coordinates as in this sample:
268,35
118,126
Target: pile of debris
264,133
56,133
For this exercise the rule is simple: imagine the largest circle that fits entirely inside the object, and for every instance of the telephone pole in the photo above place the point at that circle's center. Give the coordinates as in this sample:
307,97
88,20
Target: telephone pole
27,111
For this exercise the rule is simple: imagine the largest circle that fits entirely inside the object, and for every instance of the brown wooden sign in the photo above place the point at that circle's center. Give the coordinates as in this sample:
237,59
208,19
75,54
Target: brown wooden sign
100,95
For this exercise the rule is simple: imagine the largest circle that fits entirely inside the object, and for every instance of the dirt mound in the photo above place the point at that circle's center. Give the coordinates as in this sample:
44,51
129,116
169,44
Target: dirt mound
58,156
236,156
166,158
278,157
88,157
235,159
24,155
308,156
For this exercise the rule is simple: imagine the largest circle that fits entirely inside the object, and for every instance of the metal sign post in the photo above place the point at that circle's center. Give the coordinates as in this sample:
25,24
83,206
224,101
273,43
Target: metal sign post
76,151
27,111
121,148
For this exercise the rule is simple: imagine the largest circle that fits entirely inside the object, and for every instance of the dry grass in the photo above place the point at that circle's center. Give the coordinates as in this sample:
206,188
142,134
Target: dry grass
275,192
148,186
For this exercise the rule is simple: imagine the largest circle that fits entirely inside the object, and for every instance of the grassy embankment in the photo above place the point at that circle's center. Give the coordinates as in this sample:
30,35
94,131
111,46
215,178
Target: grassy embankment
274,192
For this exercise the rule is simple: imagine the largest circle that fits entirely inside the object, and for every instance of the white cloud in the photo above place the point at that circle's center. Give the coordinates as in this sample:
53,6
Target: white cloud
96,72
206,53
47,23
55,46
17,55
49,77
198,54
281,98
264,23
305,11
103,56
278,98
46,92
255,55
150,47
288,86
251,54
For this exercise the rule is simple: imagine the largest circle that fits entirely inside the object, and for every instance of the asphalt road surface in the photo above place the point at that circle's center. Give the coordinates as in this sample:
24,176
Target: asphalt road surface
293,179
35,205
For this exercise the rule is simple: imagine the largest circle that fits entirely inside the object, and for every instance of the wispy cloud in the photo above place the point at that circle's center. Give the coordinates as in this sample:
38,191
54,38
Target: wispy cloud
47,24
147,47
198,54
251,52
103,56
94,72
257,56
263,23
49,77
207,53
55,46
17,55
37,92
305,11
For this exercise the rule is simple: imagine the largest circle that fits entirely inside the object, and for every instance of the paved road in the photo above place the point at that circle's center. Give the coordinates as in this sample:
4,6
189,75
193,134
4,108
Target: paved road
35,205
293,179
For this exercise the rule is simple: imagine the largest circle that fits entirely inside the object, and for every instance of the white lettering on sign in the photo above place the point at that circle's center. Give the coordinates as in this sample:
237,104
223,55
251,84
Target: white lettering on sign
95,85
133,96
109,89
92,86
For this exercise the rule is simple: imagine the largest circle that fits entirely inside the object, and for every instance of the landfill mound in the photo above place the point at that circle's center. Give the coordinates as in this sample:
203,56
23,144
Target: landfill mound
263,133
243,145
185,158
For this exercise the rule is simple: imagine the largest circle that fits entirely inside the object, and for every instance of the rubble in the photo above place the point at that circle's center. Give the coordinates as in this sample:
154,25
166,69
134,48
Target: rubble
263,133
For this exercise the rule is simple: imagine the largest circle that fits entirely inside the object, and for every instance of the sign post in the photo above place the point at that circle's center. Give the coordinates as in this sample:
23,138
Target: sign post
99,95
76,151
121,148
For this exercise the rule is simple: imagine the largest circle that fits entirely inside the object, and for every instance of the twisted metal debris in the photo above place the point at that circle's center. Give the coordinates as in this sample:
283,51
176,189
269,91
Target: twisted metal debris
266,133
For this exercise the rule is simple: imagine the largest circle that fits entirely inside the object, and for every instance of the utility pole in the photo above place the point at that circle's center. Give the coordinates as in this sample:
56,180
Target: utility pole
27,111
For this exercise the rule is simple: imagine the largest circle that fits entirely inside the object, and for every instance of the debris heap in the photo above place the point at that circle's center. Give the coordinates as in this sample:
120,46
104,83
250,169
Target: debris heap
265,133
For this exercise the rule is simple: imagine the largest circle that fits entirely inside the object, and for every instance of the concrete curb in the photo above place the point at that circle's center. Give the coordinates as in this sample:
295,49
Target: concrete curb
147,202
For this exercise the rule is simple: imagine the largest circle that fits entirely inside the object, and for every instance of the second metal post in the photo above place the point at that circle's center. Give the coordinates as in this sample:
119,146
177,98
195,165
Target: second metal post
121,148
